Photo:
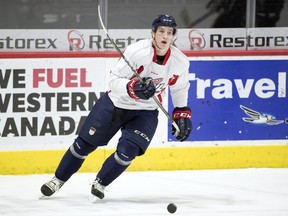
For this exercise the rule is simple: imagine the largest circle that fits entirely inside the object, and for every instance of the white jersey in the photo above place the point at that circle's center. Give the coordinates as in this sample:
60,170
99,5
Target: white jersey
142,57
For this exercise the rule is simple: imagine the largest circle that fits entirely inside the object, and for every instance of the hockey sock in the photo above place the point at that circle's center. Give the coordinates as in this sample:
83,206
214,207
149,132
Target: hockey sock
110,170
68,166
73,159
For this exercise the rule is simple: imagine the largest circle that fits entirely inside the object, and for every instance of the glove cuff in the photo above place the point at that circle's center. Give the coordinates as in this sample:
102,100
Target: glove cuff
130,88
183,112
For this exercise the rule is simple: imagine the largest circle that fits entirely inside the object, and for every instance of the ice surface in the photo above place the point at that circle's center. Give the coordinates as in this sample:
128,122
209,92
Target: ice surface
238,192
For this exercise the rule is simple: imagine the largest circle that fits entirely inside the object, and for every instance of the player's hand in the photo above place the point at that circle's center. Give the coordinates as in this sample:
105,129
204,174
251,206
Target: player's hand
141,90
182,118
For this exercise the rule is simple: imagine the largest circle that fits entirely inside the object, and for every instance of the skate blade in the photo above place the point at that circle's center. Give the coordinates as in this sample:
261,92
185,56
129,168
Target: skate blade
43,197
93,199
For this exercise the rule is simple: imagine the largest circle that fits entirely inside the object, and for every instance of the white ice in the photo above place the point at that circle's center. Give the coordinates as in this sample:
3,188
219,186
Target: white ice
238,192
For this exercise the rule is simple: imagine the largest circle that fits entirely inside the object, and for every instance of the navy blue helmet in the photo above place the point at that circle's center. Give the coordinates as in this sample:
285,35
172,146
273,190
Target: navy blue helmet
164,20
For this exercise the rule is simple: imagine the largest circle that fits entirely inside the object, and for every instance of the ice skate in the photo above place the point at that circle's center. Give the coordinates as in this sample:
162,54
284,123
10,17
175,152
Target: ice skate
97,189
51,186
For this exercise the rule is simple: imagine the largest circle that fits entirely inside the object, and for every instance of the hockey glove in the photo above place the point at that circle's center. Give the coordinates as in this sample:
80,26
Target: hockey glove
182,118
141,90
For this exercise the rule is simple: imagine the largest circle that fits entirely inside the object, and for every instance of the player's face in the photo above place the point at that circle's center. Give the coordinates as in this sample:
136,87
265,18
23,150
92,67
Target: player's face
163,37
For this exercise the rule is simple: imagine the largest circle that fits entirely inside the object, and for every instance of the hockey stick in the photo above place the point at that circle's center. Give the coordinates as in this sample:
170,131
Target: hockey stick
137,75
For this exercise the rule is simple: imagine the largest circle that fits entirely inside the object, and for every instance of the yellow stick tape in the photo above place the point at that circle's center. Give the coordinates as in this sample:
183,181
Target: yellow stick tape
173,158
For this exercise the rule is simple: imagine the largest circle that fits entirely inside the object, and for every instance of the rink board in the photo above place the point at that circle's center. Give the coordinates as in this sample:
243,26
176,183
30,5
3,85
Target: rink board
221,139
156,159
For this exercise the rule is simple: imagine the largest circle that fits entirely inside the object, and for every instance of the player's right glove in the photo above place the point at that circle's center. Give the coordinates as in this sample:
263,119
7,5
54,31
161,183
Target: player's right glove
141,90
182,118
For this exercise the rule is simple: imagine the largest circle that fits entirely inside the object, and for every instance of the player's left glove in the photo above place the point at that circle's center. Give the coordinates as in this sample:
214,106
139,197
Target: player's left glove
182,118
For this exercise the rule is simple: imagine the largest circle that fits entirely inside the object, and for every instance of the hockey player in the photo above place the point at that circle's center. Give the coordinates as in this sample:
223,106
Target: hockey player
128,107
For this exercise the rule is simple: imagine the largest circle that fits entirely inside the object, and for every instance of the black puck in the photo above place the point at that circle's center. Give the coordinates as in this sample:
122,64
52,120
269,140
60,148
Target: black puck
171,208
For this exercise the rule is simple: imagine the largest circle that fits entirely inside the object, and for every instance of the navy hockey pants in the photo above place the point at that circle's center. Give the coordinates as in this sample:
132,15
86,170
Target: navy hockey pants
104,120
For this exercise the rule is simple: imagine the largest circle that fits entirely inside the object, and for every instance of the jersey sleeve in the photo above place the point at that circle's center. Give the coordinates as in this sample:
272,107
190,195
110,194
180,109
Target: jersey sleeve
121,74
180,87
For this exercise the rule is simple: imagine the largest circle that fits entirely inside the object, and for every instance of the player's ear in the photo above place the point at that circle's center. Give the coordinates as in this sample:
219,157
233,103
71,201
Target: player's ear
174,39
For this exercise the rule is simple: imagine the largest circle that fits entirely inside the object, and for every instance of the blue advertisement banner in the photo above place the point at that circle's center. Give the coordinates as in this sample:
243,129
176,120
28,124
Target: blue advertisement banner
238,100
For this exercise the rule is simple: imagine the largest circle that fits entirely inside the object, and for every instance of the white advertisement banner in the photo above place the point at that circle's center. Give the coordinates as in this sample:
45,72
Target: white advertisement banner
43,102
187,39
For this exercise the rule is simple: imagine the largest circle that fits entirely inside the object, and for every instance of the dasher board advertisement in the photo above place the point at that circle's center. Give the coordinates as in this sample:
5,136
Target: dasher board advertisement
238,99
75,40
